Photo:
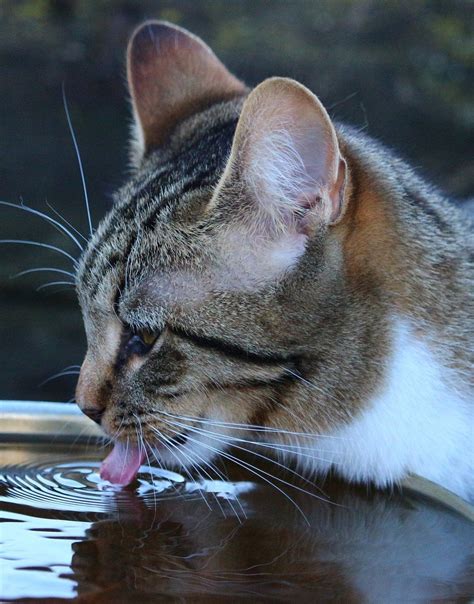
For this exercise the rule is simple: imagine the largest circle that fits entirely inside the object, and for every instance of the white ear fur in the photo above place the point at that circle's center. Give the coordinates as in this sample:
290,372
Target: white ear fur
286,159
289,154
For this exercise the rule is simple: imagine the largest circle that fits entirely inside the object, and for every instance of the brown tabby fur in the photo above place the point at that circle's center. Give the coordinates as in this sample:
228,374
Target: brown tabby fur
303,352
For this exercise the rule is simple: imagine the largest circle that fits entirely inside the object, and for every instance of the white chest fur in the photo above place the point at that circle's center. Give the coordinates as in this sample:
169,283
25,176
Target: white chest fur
417,424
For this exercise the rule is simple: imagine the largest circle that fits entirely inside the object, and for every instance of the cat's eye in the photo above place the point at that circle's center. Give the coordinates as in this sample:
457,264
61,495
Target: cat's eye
147,337
140,342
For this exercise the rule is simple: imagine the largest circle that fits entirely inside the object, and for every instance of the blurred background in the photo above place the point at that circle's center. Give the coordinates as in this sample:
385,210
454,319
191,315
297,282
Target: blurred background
401,70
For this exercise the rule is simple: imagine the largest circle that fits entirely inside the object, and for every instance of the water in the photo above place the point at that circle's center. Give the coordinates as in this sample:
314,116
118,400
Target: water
65,534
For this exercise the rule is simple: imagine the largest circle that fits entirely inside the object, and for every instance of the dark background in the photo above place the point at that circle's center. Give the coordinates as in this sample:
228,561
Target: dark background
402,70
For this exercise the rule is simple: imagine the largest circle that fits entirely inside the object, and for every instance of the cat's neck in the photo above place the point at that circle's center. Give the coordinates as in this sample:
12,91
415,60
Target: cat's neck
412,245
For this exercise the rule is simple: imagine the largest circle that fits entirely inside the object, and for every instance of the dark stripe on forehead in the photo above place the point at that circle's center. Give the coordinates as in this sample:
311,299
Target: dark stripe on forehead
193,163
122,217
152,217
128,229
205,156
197,165
120,252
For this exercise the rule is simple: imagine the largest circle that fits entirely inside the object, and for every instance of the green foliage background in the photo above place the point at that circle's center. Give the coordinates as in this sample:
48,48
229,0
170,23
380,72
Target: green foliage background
402,70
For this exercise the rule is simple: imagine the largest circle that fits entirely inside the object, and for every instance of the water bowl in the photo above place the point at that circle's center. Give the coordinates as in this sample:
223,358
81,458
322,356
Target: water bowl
264,535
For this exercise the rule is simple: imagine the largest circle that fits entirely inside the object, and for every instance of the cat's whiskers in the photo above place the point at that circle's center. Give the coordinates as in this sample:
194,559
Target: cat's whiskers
71,226
42,245
312,385
79,160
172,449
61,373
57,225
118,430
224,478
43,270
158,461
126,454
223,439
144,447
201,390
196,466
53,283
256,471
220,476
295,440
283,447
246,427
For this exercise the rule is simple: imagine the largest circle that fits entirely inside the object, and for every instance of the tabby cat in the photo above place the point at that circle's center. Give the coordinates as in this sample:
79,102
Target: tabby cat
271,280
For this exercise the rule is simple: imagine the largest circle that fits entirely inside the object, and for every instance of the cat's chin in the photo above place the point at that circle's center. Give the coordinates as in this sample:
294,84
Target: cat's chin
121,465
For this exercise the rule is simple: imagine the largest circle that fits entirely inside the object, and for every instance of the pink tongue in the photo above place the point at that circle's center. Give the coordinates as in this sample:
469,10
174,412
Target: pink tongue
122,464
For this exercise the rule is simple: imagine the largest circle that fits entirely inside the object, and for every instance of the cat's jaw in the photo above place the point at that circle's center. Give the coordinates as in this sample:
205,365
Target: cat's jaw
186,450
199,447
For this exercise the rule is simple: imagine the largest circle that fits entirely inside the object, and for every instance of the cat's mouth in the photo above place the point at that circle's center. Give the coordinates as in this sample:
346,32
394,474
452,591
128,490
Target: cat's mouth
122,464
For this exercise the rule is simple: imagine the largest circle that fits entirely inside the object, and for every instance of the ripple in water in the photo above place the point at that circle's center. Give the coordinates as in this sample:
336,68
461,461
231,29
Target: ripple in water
49,502
75,486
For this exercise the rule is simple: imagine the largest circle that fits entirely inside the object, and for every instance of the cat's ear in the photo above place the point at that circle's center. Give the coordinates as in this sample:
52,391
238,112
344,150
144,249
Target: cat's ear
285,176
172,74
286,154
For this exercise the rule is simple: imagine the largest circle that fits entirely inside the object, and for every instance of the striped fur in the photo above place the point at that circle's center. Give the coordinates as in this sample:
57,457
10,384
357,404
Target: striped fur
308,349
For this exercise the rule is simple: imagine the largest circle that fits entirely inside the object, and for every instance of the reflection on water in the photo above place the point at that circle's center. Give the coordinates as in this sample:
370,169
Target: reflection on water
67,534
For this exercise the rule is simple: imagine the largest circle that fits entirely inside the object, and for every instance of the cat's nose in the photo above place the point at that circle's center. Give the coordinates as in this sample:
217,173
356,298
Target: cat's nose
90,395
95,413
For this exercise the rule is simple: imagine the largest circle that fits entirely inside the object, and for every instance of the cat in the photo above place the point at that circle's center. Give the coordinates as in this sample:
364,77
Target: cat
271,280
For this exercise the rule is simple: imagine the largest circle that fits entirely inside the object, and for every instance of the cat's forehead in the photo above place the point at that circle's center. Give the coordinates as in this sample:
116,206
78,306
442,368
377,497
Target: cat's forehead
154,224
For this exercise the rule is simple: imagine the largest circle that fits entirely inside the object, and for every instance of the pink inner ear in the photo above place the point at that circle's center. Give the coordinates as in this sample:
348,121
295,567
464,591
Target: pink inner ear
308,200
309,208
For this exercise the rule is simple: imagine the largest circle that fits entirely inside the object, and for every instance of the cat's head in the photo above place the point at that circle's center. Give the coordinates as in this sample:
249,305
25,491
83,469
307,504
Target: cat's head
204,287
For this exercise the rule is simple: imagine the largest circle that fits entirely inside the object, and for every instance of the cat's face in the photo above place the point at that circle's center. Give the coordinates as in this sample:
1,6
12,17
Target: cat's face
203,287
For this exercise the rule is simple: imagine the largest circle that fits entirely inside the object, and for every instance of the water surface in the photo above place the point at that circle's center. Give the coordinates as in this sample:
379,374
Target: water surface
66,534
